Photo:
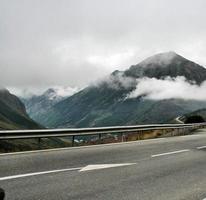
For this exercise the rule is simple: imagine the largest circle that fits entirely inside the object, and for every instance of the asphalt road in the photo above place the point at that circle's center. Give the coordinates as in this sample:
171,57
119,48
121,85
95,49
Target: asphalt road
168,168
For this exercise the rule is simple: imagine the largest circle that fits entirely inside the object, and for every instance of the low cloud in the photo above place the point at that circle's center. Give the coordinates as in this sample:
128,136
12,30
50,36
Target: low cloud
28,92
159,89
148,88
65,91
116,81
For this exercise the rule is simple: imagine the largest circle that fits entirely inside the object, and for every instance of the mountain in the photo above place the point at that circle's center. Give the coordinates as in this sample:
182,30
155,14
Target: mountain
106,103
37,105
168,64
13,113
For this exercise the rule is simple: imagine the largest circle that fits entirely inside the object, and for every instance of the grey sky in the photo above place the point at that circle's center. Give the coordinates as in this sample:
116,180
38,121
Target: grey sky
72,42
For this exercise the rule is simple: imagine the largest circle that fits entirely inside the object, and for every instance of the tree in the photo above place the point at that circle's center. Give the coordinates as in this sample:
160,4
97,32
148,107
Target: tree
194,119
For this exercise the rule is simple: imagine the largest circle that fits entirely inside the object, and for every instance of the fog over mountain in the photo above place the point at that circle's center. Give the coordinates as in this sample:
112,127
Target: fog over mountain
161,76
168,88
156,90
29,92
37,105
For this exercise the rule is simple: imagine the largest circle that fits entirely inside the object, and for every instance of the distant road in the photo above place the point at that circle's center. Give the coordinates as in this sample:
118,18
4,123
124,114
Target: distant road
178,120
162,169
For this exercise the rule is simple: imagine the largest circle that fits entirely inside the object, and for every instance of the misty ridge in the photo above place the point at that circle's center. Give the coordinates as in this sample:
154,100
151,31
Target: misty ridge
157,89
148,88
167,87
52,91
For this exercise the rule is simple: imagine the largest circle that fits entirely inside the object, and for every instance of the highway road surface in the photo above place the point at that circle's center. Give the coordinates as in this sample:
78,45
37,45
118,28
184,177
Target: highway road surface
162,169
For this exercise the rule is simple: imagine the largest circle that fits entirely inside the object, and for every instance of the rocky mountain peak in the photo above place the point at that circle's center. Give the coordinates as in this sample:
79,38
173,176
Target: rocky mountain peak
168,64
162,59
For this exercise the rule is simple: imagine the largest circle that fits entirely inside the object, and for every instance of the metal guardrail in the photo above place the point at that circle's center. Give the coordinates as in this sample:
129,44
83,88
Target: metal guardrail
89,136
47,133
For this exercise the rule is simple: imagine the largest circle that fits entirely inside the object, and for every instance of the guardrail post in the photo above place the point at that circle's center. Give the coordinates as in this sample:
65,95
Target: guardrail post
73,140
122,136
39,143
100,137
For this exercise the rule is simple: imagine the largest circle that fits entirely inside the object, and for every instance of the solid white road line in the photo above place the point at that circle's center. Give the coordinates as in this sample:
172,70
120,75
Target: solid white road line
169,153
81,169
38,173
202,147
104,166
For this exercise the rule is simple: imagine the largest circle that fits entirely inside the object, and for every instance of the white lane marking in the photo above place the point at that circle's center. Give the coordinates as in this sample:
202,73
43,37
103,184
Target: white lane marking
196,135
202,147
81,169
38,173
104,166
81,147
169,153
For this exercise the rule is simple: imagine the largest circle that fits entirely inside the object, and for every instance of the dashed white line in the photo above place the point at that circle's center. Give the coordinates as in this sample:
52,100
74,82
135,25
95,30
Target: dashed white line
202,147
169,153
38,173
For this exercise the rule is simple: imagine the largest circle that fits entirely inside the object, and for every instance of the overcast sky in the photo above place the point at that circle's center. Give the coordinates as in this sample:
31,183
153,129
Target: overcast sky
73,42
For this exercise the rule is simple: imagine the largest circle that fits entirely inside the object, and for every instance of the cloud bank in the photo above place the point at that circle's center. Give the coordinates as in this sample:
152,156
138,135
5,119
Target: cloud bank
65,91
168,88
46,43
116,81
61,91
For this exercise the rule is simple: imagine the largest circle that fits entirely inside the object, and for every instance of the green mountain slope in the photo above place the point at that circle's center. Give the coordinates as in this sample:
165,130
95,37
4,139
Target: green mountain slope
13,113
37,105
